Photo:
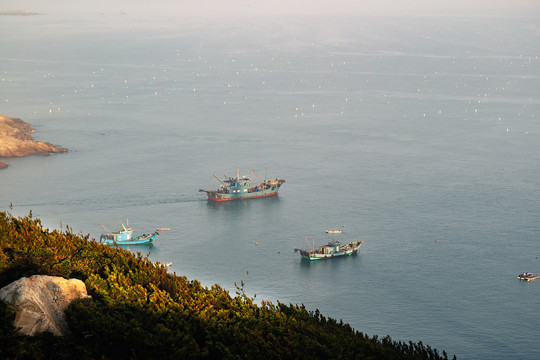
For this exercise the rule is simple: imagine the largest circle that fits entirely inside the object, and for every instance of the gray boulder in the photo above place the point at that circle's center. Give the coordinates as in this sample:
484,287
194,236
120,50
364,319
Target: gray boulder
39,302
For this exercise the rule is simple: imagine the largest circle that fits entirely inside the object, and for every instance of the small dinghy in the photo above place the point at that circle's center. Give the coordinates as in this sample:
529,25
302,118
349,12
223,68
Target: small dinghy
333,231
527,276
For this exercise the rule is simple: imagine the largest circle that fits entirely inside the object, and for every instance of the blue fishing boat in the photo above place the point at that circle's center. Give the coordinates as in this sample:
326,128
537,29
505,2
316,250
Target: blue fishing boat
239,188
125,237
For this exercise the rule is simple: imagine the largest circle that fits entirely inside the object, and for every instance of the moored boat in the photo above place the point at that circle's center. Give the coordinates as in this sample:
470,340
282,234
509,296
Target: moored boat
241,188
143,239
125,237
333,249
527,276
334,231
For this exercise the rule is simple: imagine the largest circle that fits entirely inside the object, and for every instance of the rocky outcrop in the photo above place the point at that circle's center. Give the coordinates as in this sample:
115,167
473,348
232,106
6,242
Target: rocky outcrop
39,302
16,141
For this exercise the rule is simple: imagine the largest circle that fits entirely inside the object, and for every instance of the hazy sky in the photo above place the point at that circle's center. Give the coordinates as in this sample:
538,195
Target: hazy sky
290,7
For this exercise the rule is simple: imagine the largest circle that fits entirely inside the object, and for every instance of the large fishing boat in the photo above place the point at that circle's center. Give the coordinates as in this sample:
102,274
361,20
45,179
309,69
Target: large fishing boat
125,237
241,188
330,250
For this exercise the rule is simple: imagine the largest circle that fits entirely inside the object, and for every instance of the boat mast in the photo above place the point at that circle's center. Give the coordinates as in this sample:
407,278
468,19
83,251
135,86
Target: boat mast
219,180
254,173
106,229
312,249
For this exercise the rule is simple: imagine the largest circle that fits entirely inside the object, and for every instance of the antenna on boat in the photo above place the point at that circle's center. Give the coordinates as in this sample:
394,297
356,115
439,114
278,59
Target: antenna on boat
237,174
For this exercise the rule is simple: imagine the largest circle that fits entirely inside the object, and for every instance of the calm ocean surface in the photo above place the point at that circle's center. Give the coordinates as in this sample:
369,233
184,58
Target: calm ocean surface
420,135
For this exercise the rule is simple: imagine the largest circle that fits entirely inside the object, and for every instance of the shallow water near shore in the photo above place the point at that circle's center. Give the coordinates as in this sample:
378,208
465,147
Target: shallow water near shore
419,136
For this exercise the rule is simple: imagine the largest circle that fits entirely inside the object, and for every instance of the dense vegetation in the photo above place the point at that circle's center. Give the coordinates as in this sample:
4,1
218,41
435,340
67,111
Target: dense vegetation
140,311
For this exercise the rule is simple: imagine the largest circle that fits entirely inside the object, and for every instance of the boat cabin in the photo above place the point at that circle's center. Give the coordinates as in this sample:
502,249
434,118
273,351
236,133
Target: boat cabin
332,247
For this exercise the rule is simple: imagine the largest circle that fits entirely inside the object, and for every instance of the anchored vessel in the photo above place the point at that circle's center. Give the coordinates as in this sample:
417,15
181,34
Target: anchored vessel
527,276
125,237
329,231
331,250
241,188
334,231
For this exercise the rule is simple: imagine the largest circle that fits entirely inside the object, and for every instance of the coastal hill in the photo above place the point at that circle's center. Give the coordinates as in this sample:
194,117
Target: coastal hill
16,141
137,309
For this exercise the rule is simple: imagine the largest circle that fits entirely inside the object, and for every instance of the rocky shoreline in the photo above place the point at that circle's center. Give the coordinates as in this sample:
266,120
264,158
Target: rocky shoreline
16,141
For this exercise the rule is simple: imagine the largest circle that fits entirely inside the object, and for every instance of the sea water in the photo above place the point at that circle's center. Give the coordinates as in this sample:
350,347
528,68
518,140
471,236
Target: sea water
418,135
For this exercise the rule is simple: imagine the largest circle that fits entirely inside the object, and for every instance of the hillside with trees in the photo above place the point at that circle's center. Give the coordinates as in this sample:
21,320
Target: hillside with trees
138,310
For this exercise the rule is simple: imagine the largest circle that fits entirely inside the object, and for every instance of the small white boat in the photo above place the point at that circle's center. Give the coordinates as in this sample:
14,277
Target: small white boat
333,231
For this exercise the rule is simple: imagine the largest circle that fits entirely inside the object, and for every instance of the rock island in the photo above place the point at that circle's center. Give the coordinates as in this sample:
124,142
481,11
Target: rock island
16,141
